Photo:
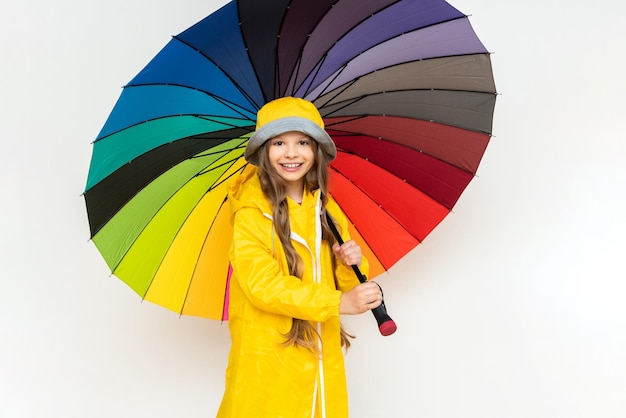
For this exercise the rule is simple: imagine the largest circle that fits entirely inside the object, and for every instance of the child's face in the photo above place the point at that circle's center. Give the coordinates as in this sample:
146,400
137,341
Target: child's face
292,156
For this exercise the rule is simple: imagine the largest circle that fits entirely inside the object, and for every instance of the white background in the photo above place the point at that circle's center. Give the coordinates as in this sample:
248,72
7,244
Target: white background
515,306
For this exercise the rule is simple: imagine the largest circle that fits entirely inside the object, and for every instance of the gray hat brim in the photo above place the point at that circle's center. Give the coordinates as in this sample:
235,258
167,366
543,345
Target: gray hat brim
289,124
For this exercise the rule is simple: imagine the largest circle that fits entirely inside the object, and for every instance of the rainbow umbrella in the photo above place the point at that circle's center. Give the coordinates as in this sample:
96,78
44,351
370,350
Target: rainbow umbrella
407,93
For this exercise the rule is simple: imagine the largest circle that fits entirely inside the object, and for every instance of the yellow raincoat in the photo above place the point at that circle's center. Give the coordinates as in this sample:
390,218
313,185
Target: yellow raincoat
265,378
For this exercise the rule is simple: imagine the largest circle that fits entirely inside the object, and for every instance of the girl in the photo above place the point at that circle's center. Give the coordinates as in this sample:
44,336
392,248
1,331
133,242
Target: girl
291,280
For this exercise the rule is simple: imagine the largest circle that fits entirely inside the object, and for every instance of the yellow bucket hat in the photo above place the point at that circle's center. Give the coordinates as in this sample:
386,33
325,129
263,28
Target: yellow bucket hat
285,115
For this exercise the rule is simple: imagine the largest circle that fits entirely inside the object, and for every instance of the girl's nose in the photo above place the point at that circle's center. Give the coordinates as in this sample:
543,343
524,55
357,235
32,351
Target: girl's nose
291,150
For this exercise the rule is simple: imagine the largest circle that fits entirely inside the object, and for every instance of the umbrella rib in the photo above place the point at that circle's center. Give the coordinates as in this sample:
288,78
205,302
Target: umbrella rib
213,119
247,48
206,154
336,75
294,86
340,89
355,99
349,102
351,119
209,170
228,177
317,70
237,86
205,117
229,163
277,78
228,103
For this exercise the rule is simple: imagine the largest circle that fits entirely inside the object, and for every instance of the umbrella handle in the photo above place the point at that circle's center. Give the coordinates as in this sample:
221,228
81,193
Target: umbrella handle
386,325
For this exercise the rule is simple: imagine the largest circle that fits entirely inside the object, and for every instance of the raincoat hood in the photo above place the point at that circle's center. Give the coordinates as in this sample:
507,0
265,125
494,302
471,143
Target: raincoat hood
246,191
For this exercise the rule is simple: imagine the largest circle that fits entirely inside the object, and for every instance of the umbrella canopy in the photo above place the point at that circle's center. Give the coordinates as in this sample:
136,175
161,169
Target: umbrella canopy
406,91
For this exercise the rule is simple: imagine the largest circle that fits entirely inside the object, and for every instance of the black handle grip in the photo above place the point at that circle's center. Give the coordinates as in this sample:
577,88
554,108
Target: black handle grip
386,325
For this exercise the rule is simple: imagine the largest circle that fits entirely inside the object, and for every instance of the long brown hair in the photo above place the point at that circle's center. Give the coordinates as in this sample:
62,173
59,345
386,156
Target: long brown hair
302,332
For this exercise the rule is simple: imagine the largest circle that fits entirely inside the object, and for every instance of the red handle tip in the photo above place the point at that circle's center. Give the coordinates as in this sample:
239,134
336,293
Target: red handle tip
387,328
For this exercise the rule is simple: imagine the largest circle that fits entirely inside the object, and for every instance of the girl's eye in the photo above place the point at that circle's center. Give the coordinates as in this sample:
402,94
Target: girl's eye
277,143
304,142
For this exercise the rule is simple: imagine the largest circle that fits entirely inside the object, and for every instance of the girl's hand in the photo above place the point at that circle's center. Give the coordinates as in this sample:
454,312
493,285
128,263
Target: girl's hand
364,297
349,253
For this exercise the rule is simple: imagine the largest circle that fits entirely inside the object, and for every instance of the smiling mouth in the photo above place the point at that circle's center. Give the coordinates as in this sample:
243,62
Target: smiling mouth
292,165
